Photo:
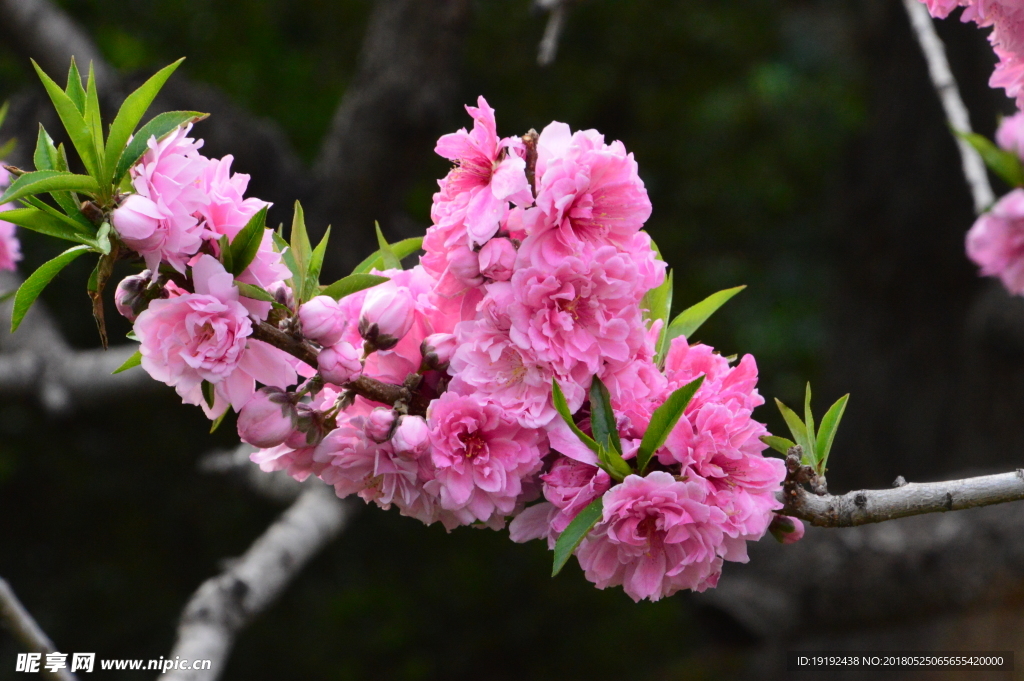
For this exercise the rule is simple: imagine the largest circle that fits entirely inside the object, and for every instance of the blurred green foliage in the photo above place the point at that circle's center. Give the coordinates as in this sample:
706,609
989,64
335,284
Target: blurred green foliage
737,112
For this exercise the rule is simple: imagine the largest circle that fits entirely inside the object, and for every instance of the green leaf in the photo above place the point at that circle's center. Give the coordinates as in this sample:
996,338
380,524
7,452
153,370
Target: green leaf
219,420
779,444
133,361
691,319
134,108
225,253
39,221
41,181
301,250
827,433
316,262
71,116
103,238
37,281
74,89
4,108
286,254
45,155
246,243
8,147
401,249
562,407
1003,163
613,463
576,532
799,431
209,393
391,259
256,293
657,303
809,423
351,284
76,221
663,420
95,123
602,417
159,126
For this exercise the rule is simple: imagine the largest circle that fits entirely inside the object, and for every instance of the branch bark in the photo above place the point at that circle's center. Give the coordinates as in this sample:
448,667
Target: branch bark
225,604
949,94
24,628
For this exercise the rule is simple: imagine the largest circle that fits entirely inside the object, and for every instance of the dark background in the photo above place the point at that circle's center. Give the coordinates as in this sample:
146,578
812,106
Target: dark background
794,145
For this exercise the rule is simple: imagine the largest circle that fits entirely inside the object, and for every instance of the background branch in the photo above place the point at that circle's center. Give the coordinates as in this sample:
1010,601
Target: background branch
24,628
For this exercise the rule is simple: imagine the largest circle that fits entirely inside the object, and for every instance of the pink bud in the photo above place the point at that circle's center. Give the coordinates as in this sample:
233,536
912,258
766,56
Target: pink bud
786,530
309,428
497,258
137,220
129,297
340,363
322,320
465,265
386,317
267,419
411,435
437,350
379,423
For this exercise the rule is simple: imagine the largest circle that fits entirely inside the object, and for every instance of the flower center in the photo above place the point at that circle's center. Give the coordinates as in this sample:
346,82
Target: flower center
474,444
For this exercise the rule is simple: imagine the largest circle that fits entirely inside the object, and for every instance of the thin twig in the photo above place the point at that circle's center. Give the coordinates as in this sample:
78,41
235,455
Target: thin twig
874,506
24,628
956,113
548,49
225,604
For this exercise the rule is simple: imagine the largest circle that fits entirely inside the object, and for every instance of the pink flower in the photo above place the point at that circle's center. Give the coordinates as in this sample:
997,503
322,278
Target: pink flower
571,486
1010,135
386,316
204,336
787,530
940,9
128,297
497,258
412,435
996,241
587,190
437,350
656,536
480,458
158,221
267,419
321,320
464,264
340,363
489,171
10,247
379,424
224,210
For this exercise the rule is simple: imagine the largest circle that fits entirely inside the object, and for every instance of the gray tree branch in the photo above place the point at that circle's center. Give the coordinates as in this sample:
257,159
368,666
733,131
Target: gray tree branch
21,624
557,12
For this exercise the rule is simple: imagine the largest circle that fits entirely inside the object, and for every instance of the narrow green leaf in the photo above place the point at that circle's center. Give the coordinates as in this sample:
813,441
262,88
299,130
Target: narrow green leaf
39,221
1003,163
798,429
103,238
225,254
4,108
133,361
602,417
159,126
44,181
76,221
809,423
562,407
37,281
256,293
7,295
663,420
829,426
92,119
301,250
316,263
286,254
74,122
657,303
134,108
576,531
7,148
779,444
45,155
351,284
387,254
217,421
246,243
209,393
401,249
691,319
74,89
613,463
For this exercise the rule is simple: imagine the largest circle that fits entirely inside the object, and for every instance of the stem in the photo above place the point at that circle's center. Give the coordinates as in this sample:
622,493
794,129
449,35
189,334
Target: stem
530,140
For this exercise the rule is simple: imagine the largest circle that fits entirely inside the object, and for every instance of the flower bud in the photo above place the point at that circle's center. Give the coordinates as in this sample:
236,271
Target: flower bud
309,428
386,317
267,419
379,424
322,320
340,363
786,530
137,220
129,298
465,265
411,435
437,350
497,258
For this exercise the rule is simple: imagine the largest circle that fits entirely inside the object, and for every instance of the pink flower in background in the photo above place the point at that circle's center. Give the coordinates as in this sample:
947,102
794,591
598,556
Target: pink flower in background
1010,134
656,536
480,457
490,171
159,221
10,247
996,241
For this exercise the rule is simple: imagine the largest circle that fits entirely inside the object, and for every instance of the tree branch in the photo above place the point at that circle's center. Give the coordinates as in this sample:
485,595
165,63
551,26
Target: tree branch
277,486
44,32
548,48
225,604
24,628
952,104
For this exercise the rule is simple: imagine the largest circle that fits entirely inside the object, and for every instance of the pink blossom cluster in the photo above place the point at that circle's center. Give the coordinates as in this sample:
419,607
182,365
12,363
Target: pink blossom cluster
1006,17
433,390
10,247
